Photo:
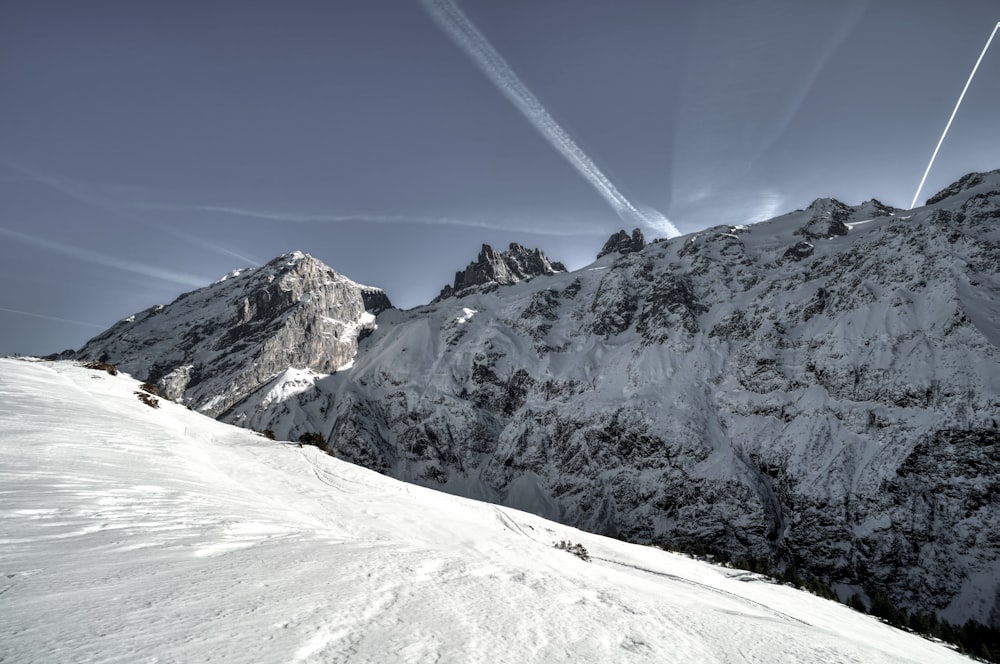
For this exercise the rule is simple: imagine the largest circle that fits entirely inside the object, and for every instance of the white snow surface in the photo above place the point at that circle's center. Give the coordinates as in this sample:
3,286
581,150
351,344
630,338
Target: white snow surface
136,534
290,382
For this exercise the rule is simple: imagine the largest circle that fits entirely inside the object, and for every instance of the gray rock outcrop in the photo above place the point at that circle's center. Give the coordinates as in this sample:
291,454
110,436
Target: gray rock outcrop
516,264
623,243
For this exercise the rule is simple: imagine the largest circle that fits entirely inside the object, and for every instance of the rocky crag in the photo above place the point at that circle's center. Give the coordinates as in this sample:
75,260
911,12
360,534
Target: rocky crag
492,268
212,347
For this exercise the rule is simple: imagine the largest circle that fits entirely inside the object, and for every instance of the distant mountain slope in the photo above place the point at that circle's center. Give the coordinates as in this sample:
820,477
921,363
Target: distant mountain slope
134,534
821,390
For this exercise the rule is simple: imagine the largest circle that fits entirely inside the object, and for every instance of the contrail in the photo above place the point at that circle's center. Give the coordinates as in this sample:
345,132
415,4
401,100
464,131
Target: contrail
85,193
298,217
953,113
55,318
466,36
96,258
187,237
826,50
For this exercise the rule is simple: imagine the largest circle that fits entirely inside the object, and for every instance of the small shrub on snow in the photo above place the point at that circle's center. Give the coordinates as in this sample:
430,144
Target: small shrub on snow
150,387
577,549
313,438
856,603
148,399
102,366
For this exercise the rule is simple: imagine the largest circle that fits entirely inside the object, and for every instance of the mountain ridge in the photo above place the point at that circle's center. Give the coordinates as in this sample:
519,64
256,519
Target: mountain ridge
818,390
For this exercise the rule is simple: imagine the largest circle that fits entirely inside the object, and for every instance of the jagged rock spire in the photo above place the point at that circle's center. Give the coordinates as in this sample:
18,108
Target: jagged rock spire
622,243
518,263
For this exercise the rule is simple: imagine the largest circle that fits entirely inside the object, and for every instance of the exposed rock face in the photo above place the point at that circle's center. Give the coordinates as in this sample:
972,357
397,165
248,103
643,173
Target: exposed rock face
964,183
213,346
516,264
622,243
827,219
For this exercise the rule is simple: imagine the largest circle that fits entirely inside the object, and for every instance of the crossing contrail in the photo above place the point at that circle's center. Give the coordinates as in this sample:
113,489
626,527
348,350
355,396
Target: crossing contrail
466,36
953,113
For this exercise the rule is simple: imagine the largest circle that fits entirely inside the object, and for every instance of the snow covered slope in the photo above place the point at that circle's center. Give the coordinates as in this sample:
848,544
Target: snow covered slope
136,534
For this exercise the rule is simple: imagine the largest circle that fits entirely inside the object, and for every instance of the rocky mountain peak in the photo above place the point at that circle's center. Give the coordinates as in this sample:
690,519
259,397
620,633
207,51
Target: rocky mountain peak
827,219
877,208
518,263
211,347
964,184
622,243
301,273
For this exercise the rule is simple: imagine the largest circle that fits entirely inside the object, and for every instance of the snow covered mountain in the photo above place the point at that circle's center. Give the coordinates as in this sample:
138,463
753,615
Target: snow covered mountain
821,390
136,534
213,346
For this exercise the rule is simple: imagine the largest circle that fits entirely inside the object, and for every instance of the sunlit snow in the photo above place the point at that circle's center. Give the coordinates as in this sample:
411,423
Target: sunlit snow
136,534
288,383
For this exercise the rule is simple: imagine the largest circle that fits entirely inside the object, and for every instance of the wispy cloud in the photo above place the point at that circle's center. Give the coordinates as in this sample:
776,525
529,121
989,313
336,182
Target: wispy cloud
767,206
125,202
829,42
119,200
219,249
107,197
577,228
55,318
96,258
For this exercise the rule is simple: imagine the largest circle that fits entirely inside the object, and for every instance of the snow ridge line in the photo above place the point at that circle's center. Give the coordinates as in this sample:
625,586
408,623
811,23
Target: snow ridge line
705,586
512,525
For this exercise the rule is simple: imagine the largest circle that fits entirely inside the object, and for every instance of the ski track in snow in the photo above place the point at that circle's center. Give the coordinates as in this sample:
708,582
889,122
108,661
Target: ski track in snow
132,534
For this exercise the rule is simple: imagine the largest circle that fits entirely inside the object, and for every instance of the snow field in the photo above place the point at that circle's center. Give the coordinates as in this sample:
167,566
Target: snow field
132,534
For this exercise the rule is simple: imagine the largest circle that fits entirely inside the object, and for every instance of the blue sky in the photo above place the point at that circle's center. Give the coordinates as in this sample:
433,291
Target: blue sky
148,148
